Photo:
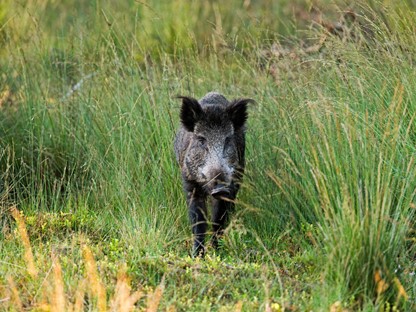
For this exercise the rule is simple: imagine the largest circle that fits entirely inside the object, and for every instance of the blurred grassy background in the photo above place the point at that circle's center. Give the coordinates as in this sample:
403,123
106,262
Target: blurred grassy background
325,218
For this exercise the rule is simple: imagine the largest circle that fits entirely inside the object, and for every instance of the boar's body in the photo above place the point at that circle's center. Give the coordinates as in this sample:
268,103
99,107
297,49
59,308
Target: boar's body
209,148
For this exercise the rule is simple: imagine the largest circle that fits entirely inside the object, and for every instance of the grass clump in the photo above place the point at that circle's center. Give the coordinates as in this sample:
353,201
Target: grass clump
86,293
351,169
325,218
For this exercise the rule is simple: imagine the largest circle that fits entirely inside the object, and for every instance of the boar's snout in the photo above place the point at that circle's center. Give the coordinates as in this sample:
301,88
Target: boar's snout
221,191
219,184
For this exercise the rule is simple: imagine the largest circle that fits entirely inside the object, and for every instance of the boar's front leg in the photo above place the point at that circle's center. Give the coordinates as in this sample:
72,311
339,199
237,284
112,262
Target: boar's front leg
198,216
221,210
220,216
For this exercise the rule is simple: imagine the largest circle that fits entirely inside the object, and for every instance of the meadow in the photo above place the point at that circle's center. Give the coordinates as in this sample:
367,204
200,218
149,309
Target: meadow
92,212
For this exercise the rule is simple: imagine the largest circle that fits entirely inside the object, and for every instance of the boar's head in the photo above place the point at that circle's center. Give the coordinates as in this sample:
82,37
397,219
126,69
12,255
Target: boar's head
214,157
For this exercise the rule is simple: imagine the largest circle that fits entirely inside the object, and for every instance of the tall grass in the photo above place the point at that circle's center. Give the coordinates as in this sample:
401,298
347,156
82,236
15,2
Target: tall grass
348,159
87,120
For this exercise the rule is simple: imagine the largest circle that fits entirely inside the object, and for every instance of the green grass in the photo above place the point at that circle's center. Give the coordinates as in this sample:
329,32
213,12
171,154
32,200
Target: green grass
325,218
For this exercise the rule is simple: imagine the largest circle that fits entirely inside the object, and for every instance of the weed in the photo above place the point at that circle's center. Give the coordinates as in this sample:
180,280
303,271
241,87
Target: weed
325,220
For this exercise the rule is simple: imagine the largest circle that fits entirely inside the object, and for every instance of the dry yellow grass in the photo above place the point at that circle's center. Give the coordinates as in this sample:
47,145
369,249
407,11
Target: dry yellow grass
153,300
96,287
123,299
14,297
57,297
21,226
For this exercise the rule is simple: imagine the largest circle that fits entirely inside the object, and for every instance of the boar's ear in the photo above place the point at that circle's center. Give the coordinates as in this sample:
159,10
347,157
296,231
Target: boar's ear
238,112
191,112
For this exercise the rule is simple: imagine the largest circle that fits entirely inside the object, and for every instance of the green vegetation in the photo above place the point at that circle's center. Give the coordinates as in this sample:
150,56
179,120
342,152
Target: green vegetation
92,213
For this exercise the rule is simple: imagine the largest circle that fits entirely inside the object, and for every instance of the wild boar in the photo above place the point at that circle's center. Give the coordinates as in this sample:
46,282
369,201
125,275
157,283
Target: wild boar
209,148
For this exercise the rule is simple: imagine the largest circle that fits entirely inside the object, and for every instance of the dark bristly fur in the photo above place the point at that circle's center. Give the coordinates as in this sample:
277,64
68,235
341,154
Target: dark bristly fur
209,148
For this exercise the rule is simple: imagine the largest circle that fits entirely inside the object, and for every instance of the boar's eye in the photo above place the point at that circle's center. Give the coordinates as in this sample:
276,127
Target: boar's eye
228,145
228,141
201,140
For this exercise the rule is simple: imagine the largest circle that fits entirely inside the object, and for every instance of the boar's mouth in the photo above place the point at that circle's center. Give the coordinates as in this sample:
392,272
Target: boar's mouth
221,191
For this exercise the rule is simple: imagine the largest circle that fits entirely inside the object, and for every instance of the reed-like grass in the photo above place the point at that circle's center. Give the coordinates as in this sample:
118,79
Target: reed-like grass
325,218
